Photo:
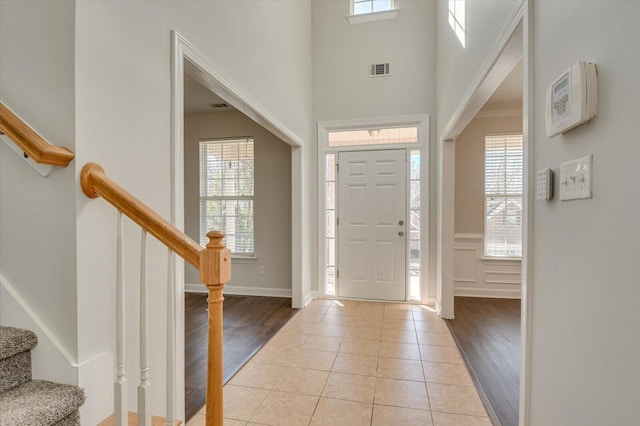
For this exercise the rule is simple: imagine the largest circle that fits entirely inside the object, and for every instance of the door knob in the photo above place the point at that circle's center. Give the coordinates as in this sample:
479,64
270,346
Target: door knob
401,233
401,223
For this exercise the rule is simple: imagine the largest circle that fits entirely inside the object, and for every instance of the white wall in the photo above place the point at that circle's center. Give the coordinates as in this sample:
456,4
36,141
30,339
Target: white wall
37,215
123,105
342,88
585,346
272,202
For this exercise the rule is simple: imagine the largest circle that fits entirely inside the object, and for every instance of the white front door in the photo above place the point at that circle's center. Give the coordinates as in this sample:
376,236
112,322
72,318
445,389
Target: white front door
372,224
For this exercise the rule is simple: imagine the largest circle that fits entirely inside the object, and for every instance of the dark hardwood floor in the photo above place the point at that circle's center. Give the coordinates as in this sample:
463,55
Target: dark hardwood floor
249,322
487,332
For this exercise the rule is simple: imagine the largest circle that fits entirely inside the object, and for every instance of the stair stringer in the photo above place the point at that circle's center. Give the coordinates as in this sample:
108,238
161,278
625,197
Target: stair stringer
51,361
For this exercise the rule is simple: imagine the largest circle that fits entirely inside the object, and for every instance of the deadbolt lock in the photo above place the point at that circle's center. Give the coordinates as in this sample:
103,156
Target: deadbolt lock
401,233
401,222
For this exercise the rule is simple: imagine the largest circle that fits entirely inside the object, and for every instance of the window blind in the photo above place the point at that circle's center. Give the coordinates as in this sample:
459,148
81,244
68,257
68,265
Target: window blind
226,192
503,195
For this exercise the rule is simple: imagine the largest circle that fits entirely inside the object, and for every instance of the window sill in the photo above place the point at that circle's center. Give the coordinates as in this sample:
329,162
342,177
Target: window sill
500,259
372,17
238,258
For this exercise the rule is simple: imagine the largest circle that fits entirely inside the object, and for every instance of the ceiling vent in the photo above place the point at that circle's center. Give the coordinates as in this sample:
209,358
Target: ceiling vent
220,106
379,70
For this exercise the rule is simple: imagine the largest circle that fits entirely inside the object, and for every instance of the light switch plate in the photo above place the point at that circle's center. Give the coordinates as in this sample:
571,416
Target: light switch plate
575,179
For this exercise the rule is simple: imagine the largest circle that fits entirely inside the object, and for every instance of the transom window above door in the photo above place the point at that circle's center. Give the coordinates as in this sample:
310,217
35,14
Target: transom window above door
374,136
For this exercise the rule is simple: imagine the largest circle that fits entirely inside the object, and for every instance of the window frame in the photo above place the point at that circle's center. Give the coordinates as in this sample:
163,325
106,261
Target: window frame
381,15
506,195
202,218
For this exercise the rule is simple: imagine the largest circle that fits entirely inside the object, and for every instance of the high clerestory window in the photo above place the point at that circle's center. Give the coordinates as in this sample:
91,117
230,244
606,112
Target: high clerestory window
457,19
226,192
360,7
503,177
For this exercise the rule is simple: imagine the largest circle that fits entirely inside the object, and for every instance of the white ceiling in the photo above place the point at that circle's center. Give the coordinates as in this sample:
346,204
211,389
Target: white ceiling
510,91
198,98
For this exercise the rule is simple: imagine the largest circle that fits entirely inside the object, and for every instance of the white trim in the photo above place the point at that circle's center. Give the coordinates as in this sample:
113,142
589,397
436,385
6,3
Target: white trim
310,297
500,111
243,259
488,292
242,290
421,121
507,260
43,169
466,238
372,17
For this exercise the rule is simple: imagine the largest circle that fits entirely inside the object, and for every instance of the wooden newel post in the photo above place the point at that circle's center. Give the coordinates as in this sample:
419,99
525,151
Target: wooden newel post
215,271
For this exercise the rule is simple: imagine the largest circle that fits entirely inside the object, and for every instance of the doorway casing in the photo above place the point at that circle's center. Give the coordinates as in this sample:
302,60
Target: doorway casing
422,124
186,58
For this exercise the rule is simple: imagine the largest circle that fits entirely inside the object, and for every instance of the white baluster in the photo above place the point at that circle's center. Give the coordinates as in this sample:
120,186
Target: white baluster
144,388
171,374
120,386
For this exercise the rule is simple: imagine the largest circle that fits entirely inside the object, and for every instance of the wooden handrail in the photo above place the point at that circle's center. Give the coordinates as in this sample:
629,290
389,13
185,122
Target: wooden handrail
95,183
30,142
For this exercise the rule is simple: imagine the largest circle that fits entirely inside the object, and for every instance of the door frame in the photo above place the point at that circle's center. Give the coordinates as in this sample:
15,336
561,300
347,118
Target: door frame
517,30
186,58
419,121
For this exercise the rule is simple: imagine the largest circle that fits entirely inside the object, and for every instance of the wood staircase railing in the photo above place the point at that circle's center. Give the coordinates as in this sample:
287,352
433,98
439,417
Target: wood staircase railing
213,262
30,142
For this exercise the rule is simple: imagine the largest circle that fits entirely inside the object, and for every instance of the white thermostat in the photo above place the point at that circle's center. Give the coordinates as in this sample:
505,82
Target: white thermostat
572,99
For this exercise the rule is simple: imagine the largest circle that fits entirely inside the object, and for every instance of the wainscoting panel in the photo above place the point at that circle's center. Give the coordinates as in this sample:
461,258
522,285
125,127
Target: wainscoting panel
477,276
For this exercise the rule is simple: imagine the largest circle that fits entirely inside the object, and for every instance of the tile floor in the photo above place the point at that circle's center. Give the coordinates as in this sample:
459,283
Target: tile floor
355,363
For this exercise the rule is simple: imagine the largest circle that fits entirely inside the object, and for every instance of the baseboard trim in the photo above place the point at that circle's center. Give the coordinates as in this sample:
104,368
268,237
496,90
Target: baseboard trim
309,298
493,293
242,290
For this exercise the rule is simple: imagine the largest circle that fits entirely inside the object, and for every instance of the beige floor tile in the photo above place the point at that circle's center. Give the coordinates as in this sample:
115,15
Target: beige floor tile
397,306
322,302
200,420
400,350
364,333
398,416
340,310
335,412
346,303
240,402
362,320
283,356
400,336
405,369
336,319
301,380
448,374
401,393
288,339
398,324
331,330
315,360
446,419
432,326
395,314
356,364
322,343
351,387
455,399
283,408
256,375
316,309
440,354
360,347
435,339
232,422
311,317
425,315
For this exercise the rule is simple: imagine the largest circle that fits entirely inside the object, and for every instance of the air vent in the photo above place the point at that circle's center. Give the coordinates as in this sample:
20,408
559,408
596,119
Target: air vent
379,70
221,105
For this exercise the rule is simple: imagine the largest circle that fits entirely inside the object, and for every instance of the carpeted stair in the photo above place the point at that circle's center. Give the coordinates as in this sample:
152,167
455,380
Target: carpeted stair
26,402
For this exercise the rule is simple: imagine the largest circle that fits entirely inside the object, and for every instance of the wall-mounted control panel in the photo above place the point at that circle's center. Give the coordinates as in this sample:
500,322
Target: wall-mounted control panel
544,184
572,99
575,179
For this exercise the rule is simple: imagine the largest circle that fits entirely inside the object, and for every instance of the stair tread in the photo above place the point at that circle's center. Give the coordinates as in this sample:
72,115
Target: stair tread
15,340
39,403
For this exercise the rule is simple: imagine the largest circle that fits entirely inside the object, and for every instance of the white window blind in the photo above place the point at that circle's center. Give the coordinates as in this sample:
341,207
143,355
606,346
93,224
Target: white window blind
369,6
503,195
226,192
